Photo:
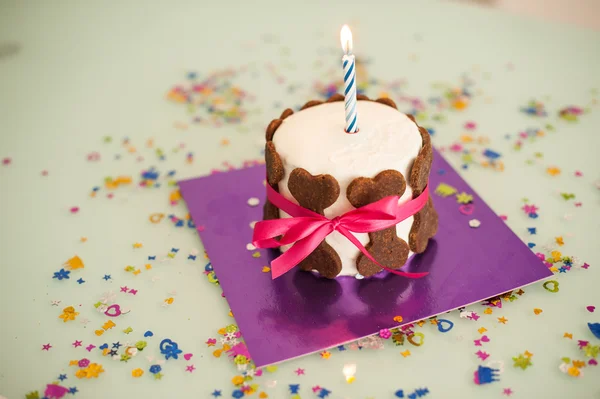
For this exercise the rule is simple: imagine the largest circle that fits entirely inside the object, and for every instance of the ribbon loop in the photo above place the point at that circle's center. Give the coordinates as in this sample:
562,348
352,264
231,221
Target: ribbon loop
306,229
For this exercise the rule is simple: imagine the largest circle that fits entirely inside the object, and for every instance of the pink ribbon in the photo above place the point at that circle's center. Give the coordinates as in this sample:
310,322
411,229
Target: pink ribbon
307,229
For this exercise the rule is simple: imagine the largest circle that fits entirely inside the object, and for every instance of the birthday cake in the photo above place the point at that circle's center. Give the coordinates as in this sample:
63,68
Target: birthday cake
313,162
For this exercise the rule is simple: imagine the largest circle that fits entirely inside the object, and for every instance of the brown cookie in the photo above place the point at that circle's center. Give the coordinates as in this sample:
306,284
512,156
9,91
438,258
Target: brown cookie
387,101
287,112
270,211
273,126
387,248
323,259
362,97
313,192
424,227
364,190
311,103
274,165
419,173
335,97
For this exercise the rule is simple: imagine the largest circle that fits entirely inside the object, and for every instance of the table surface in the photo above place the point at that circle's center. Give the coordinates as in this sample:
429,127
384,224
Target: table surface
74,73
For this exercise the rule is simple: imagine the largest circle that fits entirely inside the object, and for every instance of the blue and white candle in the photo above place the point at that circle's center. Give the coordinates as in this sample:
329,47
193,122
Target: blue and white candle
348,62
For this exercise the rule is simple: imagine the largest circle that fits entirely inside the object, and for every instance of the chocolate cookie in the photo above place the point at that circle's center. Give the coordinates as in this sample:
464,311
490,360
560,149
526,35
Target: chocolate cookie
274,165
384,245
317,193
313,192
424,227
419,174
272,128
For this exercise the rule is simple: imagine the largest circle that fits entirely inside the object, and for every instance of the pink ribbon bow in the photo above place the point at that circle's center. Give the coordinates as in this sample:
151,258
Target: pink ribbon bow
307,229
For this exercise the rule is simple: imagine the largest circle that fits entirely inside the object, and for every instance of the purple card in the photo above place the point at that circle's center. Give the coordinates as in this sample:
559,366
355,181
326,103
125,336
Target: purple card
300,313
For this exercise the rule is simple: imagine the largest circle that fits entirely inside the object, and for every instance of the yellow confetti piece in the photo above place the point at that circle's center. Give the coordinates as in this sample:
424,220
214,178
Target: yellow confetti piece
271,369
74,363
502,320
482,330
108,325
537,311
488,311
464,198
74,263
325,354
136,373
237,380
528,354
137,245
148,266
434,322
156,217
83,239
398,319
420,323
99,332
263,395
169,300
445,190
568,335
406,353
222,331
217,353
574,371
266,269
556,256
136,272
80,373
560,241
553,171
256,255
578,363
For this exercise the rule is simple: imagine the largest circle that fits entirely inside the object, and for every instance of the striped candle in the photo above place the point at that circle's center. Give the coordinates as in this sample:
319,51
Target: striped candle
348,62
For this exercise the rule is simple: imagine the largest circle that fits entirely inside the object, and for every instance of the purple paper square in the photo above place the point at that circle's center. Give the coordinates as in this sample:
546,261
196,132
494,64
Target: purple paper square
300,313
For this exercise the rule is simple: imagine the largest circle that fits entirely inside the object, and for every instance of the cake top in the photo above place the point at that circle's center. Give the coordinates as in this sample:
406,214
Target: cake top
314,139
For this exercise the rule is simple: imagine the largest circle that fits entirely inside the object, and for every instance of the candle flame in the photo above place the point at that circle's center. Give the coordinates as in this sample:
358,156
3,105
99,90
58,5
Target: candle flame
346,38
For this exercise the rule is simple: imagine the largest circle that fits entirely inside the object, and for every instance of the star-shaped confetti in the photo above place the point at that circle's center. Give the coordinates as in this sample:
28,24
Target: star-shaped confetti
406,353
190,368
325,354
46,347
507,391
62,274
62,377
107,277
522,362
216,393
76,344
299,371
464,198
502,320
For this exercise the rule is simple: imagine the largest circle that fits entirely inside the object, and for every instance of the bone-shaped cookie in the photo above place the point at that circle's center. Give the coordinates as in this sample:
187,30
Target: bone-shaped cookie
425,224
384,245
317,193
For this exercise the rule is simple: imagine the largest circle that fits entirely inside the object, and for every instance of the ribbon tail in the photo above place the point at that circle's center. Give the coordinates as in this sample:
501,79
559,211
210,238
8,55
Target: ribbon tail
299,251
346,233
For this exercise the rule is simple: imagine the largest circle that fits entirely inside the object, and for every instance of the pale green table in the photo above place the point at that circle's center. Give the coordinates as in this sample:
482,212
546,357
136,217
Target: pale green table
72,73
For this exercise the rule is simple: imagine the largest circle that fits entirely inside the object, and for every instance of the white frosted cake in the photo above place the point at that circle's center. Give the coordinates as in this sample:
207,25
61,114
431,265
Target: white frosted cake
308,154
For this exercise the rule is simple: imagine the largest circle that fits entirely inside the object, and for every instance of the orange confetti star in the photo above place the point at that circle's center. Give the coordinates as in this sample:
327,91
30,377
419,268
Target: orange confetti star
434,322
406,353
420,323
560,241
482,330
488,311
553,171
502,320
325,355
74,263
568,335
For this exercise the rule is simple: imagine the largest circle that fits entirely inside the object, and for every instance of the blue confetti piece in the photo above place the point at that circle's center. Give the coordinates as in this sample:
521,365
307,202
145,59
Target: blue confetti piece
491,154
294,388
485,375
440,326
531,244
399,393
148,334
595,329
532,230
